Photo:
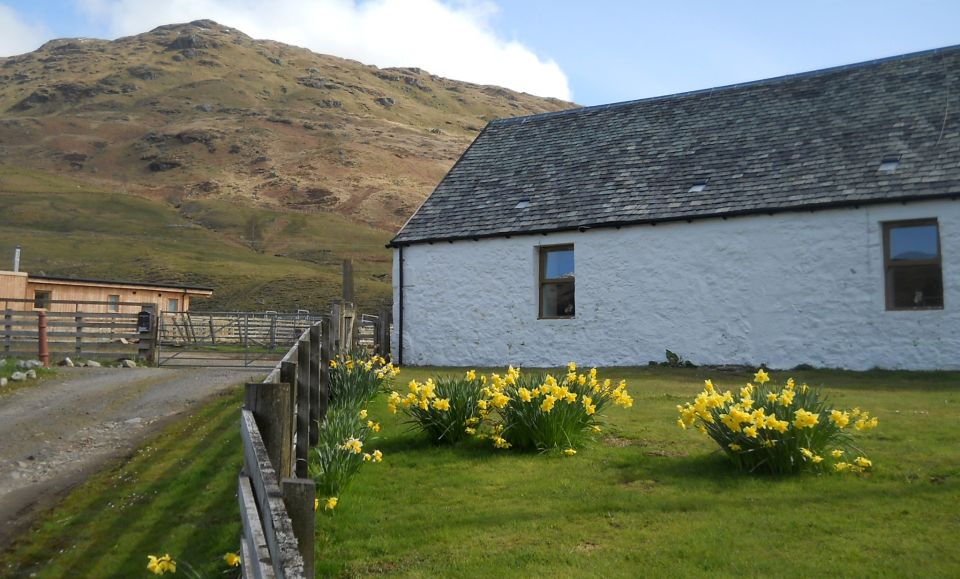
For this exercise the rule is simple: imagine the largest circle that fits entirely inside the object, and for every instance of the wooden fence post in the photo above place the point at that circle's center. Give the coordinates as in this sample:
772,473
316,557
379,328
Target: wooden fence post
303,408
288,374
272,406
336,326
383,334
299,495
327,353
7,328
348,281
318,407
78,348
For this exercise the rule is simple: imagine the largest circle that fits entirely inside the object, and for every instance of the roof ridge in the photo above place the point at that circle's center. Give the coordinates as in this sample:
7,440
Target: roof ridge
711,90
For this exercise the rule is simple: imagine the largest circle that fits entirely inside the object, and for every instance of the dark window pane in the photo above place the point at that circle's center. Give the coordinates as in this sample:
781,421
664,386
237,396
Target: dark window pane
913,242
559,264
557,300
918,286
41,300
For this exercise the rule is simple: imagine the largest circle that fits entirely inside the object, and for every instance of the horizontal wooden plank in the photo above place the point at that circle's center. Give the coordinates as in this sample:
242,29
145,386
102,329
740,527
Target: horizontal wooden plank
74,334
277,527
17,314
255,554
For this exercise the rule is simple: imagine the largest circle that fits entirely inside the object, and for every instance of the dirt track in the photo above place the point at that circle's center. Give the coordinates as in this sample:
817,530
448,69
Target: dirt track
56,433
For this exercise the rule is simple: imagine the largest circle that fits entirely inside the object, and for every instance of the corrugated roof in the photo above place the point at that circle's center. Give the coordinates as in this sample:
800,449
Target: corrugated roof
806,141
143,284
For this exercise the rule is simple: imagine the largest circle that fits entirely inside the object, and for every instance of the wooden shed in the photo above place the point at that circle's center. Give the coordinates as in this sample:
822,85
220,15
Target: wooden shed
22,291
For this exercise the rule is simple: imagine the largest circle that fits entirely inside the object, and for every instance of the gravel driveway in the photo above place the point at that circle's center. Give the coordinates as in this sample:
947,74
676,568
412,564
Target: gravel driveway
56,433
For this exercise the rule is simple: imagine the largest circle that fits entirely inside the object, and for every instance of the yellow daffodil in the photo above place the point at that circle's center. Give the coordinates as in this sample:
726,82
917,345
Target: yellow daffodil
806,452
836,453
569,452
761,377
161,565
377,456
367,457
735,447
471,375
316,504
862,462
547,404
596,429
363,414
841,419
330,504
805,419
817,459
232,560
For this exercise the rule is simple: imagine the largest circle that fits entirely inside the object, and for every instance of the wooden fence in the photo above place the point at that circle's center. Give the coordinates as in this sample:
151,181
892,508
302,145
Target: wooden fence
279,424
76,333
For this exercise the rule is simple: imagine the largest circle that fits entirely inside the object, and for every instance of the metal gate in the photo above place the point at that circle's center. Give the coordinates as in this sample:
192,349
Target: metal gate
255,340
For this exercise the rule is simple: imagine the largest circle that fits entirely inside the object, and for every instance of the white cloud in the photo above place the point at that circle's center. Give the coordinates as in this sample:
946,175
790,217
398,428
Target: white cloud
17,36
451,40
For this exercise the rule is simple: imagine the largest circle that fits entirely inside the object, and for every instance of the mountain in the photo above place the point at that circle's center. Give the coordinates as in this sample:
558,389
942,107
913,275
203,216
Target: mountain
265,151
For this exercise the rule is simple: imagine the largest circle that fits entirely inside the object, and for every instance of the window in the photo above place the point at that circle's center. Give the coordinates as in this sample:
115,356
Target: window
557,282
41,300
113,303
173,305
911,255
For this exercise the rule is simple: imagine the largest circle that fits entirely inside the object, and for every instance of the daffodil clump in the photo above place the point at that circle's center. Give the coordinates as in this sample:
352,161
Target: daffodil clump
344,446
512,410
765,427
356,380
446,409
542,412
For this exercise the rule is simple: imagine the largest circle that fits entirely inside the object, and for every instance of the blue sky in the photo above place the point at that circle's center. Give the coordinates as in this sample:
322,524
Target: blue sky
593,52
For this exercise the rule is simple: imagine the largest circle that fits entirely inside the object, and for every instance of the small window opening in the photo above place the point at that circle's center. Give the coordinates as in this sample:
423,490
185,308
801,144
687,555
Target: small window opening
698,186
890,163
523,204
42,299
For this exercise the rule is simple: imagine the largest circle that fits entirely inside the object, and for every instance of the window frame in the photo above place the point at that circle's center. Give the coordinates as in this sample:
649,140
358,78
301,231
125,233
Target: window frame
171,300
44,302
113,305
542,252
889,265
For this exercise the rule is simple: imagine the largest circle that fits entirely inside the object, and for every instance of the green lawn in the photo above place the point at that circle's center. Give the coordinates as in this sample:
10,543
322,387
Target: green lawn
646,500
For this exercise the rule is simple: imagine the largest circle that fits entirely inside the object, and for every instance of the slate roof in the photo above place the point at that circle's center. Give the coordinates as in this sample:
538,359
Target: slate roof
806,141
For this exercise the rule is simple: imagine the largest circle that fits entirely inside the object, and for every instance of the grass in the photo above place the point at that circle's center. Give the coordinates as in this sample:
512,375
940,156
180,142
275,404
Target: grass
176,494
647,499
9,366
295,262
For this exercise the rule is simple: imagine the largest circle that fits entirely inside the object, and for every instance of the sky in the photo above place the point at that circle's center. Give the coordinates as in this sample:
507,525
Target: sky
592,53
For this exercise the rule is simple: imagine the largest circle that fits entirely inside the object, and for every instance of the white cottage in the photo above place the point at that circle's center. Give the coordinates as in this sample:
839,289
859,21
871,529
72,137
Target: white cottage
808,219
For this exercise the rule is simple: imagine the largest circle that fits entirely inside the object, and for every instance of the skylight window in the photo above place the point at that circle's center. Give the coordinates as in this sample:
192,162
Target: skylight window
523,204
889,163
698,186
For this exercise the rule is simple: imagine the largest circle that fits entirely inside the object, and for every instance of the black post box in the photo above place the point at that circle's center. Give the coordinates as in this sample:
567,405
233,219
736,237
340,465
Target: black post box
143,322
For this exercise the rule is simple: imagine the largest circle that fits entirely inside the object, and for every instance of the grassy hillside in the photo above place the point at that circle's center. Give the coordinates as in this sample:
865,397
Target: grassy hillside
203,111
289,261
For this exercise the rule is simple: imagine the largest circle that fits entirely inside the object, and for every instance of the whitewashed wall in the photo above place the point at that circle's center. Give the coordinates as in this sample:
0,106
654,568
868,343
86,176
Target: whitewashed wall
783,290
